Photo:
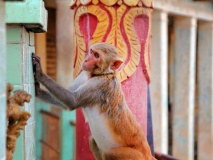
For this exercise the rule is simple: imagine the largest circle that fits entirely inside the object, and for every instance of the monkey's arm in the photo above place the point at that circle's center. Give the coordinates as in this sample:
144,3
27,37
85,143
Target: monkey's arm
83,96
71,99
46,96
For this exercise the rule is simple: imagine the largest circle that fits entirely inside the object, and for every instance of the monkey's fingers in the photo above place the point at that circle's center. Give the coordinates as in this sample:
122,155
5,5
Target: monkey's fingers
35,57
36,66
35,61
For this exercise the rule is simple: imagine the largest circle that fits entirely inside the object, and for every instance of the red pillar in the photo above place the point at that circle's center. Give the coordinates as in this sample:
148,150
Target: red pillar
125,24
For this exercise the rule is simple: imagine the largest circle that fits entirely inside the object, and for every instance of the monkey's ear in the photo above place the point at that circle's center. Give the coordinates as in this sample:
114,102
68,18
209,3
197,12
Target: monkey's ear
116,64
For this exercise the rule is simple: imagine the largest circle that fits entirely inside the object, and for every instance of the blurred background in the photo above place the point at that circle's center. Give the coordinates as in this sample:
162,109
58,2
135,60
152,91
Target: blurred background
181,87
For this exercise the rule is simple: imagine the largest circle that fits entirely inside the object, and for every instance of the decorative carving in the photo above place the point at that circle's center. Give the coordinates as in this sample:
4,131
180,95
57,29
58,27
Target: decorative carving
16,118
131,2
109,3
103,22
147,3
117,26
116,31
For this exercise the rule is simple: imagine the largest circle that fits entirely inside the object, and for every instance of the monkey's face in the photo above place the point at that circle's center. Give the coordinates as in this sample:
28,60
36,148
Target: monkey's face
92,61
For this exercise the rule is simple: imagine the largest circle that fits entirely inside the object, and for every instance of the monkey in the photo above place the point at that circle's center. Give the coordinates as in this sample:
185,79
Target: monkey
14,102
115,133
16,119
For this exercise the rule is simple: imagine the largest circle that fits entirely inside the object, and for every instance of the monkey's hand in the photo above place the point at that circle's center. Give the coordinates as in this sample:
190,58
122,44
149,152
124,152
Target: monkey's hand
38,73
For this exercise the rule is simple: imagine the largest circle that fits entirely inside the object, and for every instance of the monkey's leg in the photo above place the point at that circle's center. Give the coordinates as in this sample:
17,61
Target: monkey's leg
94,148
124,153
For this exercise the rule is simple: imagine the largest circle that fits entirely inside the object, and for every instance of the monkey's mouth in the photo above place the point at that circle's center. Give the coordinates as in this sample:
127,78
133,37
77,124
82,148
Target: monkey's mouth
97,67
86,68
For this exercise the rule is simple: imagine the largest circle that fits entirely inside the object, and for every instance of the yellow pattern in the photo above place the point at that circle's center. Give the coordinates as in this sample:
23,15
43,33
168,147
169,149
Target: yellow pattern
120,43
103,22
114,37
81,46
109,2
135,47
85,2
147,3
146,50
131,2
111,36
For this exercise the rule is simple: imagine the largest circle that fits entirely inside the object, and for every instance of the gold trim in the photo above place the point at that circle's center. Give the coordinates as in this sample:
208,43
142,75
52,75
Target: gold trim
81,46
147,3
131,2
135,46
147,56
103,22
109,2
85,2
115,36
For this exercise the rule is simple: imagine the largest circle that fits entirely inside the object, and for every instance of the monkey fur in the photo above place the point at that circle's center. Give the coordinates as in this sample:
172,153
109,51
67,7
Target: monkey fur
16,119
116,135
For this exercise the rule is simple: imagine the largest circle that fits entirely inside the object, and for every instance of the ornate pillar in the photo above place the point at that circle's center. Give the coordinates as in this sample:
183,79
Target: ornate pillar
125,24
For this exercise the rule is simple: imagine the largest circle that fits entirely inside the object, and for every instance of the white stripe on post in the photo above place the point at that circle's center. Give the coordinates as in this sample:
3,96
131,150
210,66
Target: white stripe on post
184,88
159,80
205,91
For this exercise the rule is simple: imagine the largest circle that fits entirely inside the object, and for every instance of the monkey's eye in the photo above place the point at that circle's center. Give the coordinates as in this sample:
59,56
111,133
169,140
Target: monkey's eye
96,55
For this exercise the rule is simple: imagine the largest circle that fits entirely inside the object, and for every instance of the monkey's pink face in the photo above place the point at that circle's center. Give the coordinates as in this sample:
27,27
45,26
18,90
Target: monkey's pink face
91,61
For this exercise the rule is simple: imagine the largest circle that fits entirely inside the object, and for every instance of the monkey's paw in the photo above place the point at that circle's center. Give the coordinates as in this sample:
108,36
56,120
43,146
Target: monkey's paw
37,67
25,116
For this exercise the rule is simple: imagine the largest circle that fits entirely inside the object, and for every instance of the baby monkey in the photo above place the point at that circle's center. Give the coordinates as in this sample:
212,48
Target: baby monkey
116,135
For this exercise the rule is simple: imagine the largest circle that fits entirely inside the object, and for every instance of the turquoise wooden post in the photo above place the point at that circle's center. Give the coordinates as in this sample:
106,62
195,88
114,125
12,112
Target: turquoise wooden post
2,80
67,131
67,135
44,106
23,19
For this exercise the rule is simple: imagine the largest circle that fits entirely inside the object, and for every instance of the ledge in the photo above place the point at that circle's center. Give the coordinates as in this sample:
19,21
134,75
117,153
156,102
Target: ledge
30,13
199,10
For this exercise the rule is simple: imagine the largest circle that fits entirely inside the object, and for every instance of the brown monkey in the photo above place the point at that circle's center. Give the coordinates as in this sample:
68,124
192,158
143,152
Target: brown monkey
115,133
16,118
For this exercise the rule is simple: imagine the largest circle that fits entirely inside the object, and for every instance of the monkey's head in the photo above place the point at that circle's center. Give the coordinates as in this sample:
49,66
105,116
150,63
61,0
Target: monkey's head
21,96
102,58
